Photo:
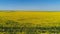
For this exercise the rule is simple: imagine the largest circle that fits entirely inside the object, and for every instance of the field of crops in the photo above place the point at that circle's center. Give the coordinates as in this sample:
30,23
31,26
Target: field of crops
26,22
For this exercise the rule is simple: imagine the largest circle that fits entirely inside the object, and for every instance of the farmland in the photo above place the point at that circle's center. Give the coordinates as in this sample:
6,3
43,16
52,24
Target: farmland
28,22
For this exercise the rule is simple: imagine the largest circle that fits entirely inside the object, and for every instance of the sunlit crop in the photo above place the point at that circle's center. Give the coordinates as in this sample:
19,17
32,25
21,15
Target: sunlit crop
23,22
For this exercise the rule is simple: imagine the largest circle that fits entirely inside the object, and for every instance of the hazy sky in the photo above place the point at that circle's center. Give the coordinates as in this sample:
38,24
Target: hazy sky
29,4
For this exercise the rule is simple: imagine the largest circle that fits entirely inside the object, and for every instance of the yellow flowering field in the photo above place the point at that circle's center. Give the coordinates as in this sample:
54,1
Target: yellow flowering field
29,22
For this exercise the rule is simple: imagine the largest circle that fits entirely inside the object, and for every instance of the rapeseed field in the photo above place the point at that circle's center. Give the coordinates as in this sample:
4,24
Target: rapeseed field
29,22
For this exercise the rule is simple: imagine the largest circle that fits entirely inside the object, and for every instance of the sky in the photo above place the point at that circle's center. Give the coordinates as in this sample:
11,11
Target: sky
30,5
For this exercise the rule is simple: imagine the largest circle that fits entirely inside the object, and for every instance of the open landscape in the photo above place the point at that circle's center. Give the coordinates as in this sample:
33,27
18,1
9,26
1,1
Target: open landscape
29,22
29,16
